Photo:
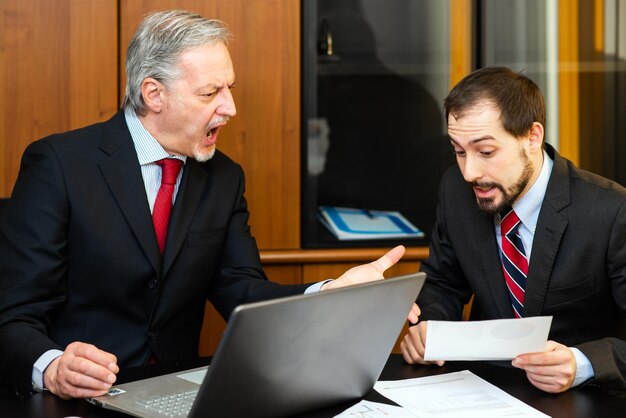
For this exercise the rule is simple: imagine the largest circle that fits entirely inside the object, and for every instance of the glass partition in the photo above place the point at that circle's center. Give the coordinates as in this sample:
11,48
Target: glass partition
374,75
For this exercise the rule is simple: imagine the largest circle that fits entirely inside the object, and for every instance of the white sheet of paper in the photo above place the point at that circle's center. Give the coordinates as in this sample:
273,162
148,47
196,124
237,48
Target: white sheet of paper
367,409
459,394
498,339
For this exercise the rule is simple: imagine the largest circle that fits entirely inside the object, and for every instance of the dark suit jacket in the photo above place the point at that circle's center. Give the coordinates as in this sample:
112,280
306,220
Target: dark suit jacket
79,259
577,270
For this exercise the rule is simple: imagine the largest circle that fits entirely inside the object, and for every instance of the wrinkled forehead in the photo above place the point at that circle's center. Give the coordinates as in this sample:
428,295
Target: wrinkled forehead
209,63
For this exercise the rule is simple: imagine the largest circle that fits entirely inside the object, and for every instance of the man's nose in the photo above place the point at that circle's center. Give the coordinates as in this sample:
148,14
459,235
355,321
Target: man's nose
227,105
472,169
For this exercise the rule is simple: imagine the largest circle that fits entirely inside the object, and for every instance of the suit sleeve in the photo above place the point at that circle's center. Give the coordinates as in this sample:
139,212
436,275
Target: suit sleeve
608,355
241,278
32,263
446,289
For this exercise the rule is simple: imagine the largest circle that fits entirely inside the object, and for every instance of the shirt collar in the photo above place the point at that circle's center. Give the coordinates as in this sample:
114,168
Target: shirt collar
148,148
527,208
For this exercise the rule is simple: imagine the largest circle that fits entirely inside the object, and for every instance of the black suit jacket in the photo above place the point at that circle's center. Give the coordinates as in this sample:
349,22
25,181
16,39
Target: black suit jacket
79,260
577,270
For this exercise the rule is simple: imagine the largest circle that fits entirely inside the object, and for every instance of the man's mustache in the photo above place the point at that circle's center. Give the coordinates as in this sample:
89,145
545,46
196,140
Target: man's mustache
486,185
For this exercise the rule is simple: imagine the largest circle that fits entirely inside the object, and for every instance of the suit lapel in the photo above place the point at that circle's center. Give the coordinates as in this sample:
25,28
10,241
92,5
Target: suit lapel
550,228
122,173
189,194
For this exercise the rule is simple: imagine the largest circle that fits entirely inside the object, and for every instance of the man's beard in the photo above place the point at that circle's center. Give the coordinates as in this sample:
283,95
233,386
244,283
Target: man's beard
509,196
203,156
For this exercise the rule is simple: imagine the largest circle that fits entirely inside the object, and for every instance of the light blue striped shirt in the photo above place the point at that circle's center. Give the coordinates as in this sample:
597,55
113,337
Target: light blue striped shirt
148,152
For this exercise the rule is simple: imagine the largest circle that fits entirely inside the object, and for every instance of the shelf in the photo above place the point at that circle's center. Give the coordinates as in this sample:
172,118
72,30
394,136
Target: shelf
336,255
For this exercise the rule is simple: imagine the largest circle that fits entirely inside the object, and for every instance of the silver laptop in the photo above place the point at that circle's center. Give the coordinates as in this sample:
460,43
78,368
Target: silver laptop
284,356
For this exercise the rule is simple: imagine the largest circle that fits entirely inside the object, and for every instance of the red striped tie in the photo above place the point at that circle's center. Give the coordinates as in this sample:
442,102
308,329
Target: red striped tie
514,261
163,204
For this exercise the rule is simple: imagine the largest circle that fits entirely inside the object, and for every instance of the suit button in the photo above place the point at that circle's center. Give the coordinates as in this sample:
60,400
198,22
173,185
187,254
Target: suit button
153,284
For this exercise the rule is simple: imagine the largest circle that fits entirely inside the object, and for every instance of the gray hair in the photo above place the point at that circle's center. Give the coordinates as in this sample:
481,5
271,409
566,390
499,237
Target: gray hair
157,44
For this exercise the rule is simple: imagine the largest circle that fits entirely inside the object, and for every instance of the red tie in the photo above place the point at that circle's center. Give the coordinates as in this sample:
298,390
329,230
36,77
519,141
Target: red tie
514,261
170,168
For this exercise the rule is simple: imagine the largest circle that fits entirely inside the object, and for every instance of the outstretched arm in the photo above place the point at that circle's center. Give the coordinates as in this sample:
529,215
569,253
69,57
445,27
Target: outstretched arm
367,272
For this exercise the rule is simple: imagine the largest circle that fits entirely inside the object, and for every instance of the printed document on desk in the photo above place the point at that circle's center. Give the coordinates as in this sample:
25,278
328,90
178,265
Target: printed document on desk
497,339
459,394
362,224
368,409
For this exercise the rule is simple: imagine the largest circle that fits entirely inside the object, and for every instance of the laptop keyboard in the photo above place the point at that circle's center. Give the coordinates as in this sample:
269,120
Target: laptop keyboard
171,405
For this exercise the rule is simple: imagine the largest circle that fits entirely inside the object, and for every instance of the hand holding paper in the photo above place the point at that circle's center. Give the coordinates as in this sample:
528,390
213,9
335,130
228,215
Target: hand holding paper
412,346
552,370
499,339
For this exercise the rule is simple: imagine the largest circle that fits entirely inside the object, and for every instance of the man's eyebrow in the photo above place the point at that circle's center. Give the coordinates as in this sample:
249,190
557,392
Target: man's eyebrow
473,141
215,86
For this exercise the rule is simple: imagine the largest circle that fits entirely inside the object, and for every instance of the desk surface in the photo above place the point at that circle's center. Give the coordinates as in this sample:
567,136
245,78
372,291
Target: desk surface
578,402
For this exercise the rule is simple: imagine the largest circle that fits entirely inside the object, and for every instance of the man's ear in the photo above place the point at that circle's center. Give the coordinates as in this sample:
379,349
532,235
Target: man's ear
152,93
536,137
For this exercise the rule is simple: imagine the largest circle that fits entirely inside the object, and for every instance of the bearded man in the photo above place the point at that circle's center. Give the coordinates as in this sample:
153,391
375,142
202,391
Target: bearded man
531,235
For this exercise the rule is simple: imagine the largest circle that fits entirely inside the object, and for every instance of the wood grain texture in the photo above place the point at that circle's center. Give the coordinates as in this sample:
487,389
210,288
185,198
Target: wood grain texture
58,71
569,87
461,40
339,255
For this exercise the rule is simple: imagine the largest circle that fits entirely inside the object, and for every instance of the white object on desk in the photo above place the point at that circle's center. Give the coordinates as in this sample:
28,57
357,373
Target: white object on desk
458,394
368,409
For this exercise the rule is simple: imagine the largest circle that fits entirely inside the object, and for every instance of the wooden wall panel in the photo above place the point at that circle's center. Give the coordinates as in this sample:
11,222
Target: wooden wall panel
569,86
461,42
264,136
58,71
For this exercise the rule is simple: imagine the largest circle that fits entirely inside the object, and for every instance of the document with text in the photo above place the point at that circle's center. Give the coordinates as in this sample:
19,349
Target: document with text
368,409
458,394
498,339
